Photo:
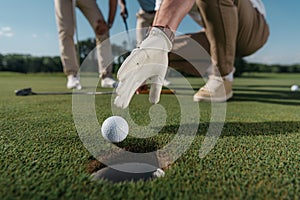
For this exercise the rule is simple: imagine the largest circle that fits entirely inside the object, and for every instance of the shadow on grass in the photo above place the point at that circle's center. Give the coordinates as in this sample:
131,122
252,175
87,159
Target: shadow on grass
256,93
254,76
245,128
250,93
265,86
260,128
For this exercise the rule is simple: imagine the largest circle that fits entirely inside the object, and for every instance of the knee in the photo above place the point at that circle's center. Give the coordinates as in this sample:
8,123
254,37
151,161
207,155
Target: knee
201,2
102,37
211,3
66,32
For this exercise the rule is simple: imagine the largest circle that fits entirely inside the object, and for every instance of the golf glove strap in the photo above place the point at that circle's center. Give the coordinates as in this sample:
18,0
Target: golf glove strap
148,62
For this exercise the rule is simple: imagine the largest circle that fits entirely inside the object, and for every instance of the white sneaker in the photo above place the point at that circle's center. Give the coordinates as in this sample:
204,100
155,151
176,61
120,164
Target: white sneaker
73,82
109,82
217,89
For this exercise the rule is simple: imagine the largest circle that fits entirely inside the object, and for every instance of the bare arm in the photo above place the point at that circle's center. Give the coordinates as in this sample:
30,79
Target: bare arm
171,13
112,12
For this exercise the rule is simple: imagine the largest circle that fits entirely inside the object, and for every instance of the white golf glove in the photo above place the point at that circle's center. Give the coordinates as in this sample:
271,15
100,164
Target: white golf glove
149,61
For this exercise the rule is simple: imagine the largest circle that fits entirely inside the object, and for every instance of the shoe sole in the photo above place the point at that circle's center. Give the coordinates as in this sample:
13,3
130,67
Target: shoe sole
213,100
114,85
108,86
77,87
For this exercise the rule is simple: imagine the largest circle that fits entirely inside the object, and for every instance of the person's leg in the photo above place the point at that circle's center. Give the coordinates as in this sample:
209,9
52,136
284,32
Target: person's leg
65,23
190,54
253,30
220,18
233,28
64,14
93,14
143,22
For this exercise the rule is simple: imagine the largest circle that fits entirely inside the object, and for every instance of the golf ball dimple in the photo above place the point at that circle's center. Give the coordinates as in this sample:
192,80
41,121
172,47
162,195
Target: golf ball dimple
294,88
115,129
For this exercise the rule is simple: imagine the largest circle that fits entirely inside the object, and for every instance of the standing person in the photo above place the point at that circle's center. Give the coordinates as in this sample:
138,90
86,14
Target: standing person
232,27
144,17
66,23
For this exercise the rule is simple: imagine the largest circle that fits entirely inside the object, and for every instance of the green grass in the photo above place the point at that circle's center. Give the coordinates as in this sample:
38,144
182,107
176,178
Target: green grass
256,157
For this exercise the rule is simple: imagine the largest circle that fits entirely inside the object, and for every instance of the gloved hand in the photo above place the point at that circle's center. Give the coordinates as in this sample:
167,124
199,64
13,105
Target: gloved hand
149,61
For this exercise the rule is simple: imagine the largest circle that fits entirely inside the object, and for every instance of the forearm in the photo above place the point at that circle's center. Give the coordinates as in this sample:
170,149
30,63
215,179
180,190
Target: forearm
171,13
112,11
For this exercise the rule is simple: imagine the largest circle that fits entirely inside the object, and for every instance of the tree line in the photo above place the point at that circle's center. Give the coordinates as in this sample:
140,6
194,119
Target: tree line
47,64
242,66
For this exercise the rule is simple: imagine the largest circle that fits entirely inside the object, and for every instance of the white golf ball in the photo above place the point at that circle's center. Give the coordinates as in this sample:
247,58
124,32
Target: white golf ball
294,88
115,129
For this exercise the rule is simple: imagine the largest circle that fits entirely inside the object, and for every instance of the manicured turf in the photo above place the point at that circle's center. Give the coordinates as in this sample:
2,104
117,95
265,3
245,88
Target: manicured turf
256,157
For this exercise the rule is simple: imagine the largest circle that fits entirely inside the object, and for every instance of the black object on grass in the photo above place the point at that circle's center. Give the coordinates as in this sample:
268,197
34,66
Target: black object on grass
28,92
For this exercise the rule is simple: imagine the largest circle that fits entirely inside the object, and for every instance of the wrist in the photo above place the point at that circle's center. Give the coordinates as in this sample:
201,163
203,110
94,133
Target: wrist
158,38
166,30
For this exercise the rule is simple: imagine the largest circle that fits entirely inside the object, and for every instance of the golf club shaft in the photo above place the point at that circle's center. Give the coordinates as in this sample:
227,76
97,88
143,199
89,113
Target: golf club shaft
71,93
28,92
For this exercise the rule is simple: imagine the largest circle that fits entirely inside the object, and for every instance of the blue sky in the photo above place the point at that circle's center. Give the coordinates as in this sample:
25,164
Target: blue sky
29,27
